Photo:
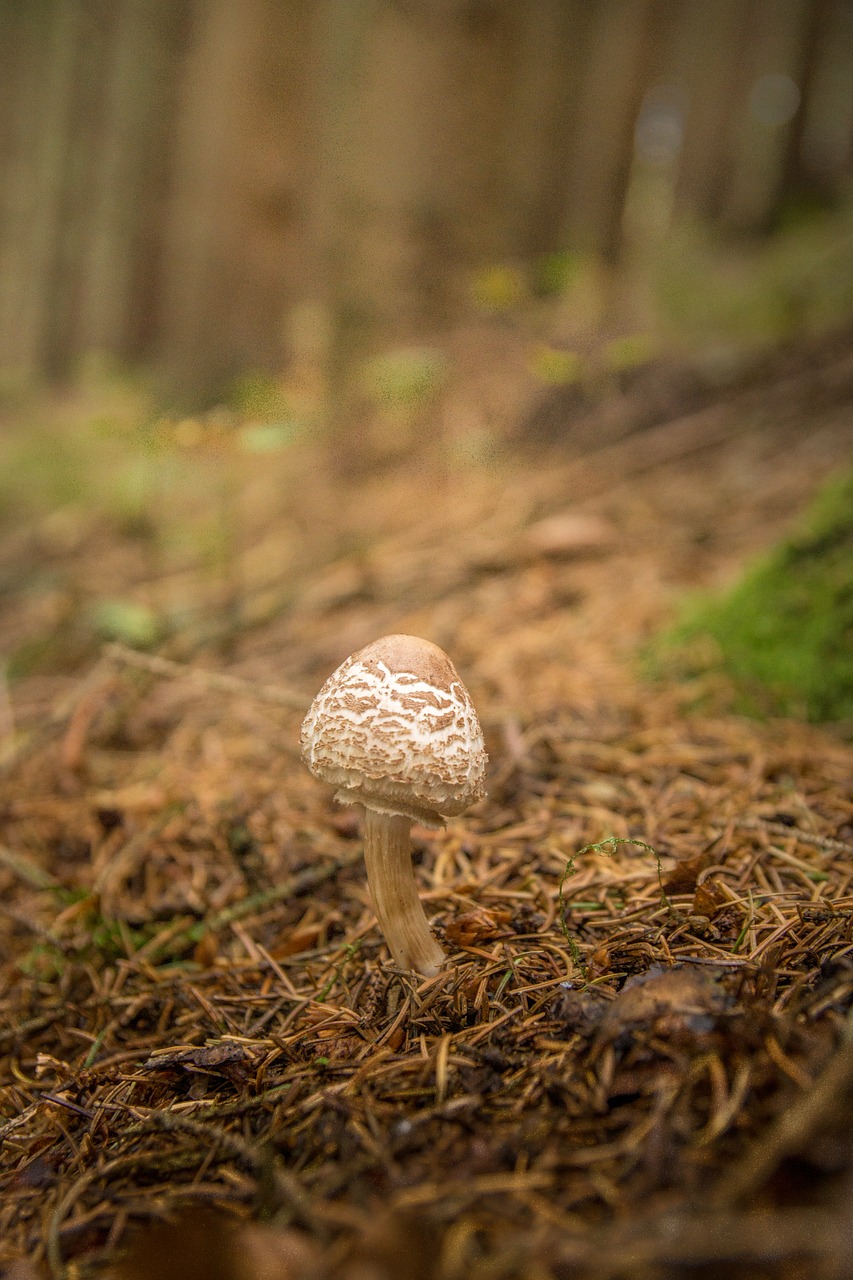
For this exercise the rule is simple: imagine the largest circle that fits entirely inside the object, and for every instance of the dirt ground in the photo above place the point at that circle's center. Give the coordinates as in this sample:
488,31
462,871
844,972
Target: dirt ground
638,1061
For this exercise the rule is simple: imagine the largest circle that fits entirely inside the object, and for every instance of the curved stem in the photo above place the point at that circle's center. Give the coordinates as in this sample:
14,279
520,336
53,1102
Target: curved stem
391,879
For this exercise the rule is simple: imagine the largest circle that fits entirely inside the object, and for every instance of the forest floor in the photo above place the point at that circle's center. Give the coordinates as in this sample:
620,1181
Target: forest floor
638,1060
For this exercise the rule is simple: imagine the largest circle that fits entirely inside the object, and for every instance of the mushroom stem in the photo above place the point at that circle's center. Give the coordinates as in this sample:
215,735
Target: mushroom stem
391,878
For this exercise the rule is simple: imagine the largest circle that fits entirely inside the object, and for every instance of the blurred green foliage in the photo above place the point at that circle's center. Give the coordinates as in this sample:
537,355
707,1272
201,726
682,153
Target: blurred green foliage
129,621
405,377
554,273
799,280
555,366
628,352
783,636
103,477
257,395
269,437
500,287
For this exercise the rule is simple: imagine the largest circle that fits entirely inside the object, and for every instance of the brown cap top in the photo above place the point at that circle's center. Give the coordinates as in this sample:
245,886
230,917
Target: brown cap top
395,730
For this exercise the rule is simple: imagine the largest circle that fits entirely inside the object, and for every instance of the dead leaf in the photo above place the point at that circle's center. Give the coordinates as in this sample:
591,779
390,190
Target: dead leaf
600,962
683,877
709,899
396,1038
474,927
40,1172
206,950
204,1058
299,940
667,1001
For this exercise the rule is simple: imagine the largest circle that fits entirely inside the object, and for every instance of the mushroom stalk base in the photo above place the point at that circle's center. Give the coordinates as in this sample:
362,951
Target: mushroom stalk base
391,878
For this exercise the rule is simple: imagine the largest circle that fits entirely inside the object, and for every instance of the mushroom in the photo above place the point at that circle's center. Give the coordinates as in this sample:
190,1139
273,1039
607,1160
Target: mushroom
394,729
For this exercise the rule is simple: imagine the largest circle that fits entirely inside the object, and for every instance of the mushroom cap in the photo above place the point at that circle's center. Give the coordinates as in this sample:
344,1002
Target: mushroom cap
395,730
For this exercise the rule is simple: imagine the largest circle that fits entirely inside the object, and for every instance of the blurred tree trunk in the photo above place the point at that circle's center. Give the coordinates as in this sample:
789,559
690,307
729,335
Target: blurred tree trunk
760,143
627,47
716,72
480,48
816,159
124,196
336,216
549,40
271,179
156,198
46,45
16,59
570,33
400,181
145,276
794,179
89,48
202,282
233,227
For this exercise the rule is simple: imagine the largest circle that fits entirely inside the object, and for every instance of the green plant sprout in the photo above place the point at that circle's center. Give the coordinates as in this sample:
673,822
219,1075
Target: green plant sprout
348,951
607,848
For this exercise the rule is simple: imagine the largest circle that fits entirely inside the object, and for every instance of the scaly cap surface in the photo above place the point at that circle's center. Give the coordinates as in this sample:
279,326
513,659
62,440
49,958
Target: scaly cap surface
395,729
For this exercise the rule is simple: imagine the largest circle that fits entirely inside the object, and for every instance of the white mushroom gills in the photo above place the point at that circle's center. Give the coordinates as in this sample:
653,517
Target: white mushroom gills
394,729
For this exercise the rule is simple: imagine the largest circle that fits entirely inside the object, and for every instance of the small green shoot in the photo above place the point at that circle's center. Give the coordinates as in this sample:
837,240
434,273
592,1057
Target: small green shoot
44,961
94,1049
509,973
349,949
607,848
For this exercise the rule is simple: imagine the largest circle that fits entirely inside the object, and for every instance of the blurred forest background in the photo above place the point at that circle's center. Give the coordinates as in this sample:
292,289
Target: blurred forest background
184,182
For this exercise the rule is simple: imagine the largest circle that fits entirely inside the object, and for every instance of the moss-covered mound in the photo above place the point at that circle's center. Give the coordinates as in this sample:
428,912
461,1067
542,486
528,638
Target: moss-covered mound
783,636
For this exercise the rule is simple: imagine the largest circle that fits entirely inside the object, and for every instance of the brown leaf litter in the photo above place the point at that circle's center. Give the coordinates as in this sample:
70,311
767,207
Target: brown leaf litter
208,1065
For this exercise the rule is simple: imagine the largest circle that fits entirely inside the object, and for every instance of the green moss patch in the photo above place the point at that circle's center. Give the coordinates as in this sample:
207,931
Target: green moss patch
783,636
